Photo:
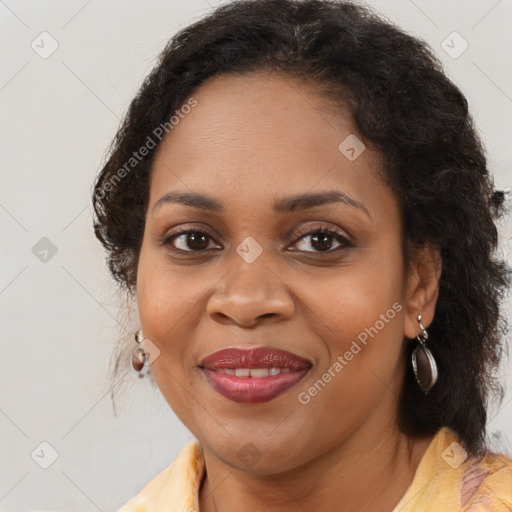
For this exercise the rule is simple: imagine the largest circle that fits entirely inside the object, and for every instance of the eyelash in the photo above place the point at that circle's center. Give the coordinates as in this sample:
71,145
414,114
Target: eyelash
301,233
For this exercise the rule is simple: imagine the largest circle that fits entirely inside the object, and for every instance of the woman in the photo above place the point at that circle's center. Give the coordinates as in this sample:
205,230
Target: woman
299,203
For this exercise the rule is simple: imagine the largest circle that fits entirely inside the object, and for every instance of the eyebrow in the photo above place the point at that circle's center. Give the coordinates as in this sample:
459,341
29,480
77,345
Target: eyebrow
285,205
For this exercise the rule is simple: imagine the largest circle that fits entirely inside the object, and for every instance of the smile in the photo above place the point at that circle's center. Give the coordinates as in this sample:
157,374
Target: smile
254,372
254,376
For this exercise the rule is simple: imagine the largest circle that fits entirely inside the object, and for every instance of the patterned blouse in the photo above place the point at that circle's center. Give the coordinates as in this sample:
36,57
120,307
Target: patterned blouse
446,480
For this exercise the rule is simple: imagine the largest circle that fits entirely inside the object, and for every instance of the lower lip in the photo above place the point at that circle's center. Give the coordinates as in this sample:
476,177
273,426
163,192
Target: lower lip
253,389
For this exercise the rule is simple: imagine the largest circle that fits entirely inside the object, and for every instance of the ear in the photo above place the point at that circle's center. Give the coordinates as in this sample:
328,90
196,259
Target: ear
422,288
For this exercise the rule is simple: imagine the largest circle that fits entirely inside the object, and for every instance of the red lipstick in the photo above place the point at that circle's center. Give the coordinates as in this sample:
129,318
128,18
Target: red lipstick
255,375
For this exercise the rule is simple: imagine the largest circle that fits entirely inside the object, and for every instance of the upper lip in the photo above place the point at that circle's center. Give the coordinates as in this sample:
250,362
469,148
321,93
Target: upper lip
264,357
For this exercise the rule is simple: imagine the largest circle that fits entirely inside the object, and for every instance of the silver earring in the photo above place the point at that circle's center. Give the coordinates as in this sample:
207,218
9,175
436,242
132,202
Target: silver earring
139,354
423,362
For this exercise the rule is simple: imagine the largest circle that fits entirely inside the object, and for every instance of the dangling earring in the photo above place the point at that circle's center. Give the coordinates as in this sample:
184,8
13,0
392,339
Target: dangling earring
139,354
423,362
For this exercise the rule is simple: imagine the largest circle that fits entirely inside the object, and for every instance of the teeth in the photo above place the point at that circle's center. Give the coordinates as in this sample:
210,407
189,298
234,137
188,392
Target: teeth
259,372
253,372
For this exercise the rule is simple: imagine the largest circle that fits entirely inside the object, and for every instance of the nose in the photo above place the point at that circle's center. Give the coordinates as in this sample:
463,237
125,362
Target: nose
250,293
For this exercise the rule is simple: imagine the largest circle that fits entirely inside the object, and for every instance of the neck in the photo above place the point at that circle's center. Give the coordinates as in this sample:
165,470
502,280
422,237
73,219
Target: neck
369,470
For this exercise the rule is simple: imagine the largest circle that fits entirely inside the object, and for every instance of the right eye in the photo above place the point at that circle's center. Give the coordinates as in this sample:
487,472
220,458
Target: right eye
188,241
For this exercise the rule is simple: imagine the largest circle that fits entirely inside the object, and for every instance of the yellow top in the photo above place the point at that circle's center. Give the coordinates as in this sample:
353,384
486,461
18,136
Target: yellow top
446,480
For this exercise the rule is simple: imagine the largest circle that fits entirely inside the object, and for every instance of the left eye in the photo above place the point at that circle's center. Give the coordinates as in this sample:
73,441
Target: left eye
321,240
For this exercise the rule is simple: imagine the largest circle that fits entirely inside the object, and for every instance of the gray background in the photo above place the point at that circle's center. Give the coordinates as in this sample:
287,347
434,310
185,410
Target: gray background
61,317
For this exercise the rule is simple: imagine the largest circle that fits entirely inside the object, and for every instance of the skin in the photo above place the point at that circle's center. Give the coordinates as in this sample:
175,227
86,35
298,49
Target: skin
251,140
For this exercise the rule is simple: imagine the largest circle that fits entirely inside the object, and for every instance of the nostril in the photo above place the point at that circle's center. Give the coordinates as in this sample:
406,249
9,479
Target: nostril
266,315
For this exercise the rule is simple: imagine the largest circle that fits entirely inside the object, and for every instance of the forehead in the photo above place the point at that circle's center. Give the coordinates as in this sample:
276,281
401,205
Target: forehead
261,136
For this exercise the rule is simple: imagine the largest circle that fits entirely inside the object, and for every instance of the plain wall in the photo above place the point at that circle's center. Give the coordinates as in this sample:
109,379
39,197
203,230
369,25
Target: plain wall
60,318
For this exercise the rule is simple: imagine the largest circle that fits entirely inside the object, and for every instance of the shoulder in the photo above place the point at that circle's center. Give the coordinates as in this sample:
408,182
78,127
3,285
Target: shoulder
447,478
478,483
175,488
486,483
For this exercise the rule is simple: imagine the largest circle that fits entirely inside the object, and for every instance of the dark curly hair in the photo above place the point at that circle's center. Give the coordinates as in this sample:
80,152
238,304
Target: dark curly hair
405,107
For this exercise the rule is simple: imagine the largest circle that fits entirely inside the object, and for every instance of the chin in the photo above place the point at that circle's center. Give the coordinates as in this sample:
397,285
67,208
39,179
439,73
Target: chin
257,455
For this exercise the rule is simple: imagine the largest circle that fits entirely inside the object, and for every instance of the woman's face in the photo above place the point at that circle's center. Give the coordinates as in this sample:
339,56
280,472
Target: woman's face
249,276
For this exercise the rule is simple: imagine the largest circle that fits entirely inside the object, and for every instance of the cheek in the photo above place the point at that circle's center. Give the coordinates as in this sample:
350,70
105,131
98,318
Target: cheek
361,330
366,330
171,305
164,294
358,313
168,307
353,298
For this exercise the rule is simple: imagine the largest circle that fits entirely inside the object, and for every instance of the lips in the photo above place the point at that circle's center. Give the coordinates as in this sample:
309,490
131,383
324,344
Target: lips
256,375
